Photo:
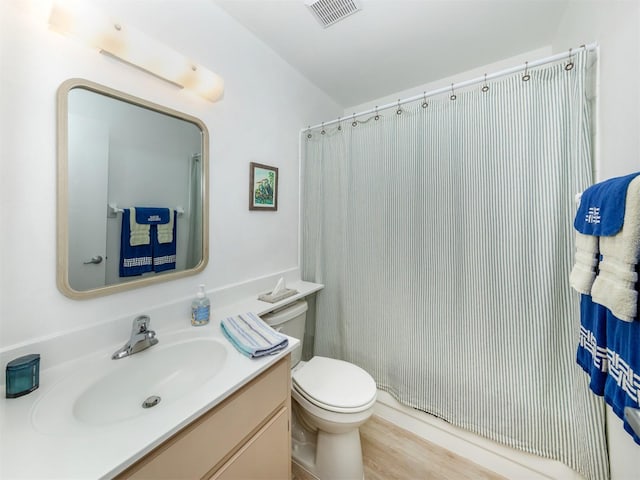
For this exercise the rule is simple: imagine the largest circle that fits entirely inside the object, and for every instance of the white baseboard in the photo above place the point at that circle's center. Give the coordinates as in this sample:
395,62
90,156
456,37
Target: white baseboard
500,459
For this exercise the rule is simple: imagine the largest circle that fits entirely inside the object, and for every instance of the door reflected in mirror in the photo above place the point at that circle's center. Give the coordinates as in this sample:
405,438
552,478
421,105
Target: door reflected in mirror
132,191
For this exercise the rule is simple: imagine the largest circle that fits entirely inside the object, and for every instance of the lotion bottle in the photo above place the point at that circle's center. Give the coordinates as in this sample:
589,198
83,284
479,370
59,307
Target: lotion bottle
200,308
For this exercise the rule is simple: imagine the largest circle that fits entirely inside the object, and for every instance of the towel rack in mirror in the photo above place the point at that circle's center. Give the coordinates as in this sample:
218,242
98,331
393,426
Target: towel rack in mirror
113,210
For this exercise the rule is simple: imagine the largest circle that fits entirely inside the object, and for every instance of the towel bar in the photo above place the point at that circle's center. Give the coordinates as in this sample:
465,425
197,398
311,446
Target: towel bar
113,210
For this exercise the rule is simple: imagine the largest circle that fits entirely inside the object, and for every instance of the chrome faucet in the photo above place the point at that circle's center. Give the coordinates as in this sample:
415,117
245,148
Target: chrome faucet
141,338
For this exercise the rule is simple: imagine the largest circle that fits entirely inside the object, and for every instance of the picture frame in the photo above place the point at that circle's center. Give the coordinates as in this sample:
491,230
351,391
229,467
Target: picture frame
263,187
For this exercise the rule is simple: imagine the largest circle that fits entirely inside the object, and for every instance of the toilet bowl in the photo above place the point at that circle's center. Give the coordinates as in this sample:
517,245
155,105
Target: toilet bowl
331,399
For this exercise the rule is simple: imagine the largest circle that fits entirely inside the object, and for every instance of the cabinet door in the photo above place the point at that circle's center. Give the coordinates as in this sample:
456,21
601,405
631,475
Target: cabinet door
220,433
265,456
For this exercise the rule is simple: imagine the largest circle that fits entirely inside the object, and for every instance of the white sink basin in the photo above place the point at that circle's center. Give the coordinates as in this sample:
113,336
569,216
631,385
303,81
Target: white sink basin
106,392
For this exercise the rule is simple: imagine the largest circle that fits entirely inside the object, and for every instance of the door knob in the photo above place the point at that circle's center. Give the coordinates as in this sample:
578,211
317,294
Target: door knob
97,259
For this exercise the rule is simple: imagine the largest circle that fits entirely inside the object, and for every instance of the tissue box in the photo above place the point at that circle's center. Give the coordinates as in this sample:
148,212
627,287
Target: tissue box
273,298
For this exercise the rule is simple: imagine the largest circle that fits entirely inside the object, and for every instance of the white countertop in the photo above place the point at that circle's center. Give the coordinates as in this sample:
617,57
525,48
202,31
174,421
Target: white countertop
100,451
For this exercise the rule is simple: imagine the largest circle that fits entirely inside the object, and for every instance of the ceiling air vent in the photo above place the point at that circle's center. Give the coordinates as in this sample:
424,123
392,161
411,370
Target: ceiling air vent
329,12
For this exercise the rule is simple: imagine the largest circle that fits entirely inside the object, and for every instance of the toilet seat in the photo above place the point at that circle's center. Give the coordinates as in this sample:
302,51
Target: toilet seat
335,385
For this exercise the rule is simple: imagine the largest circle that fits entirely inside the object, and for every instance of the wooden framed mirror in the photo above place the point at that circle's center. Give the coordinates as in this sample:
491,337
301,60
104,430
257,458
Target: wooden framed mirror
133,192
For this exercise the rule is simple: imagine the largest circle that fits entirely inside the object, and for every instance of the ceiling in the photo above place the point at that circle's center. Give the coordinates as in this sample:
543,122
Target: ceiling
393,45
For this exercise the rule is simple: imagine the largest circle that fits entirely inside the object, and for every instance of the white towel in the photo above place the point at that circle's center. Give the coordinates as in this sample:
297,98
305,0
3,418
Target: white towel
139,232
252,336
615,285
583,273
165,230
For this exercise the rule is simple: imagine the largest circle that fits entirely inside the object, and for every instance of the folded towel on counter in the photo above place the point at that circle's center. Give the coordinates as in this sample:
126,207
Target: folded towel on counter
134,259
165,245
587,257
602,207
251,336
615,286
139,233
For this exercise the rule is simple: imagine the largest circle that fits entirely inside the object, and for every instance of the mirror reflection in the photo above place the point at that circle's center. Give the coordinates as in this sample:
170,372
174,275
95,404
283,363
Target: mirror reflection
133,198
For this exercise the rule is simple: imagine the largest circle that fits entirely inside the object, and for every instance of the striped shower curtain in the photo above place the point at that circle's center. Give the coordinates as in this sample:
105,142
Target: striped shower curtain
443,236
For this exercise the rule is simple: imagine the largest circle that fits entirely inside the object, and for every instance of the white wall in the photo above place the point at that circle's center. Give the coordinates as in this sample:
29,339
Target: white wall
615,25
541,52
265,104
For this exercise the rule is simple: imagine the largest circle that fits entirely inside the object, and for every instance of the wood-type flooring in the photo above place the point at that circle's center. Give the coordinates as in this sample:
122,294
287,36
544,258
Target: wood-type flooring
392,453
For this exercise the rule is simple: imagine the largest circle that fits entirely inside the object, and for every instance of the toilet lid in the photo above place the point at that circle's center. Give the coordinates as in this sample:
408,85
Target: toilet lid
335,385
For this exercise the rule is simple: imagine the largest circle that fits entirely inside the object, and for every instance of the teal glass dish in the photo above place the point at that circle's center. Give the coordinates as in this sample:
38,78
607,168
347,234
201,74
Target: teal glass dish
22,375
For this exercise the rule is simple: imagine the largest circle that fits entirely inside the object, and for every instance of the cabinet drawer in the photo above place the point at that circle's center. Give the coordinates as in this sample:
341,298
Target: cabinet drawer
265,456
217,435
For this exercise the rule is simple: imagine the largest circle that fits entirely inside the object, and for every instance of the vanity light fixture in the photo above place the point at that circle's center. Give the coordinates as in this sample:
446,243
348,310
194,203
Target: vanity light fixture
78,20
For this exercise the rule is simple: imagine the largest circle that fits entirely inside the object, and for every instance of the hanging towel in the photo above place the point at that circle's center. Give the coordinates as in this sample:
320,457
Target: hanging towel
602,207
592,345
608,352
165,230
164,252
609,346
587,257
139,232
251,336
153,215
616,285
134,259
622,387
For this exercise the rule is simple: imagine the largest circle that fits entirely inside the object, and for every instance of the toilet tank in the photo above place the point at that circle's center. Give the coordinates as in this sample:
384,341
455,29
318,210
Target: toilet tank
290,320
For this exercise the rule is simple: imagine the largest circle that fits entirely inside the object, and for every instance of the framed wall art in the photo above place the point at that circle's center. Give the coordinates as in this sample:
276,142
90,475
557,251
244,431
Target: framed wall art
263,187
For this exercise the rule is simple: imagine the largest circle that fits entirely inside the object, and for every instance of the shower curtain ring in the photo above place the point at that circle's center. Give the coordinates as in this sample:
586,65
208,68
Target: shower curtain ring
354,123
569,66
322,132
485,87
339,124
453,93
377,117
526,77
399,110
309,132
425,104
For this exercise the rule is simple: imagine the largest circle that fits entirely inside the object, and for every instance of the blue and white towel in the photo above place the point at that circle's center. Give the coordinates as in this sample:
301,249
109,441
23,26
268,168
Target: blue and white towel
616,285
252,336
606,273
622,388
153,215
165,245
602,207
136,258
143,247
592,345
609,353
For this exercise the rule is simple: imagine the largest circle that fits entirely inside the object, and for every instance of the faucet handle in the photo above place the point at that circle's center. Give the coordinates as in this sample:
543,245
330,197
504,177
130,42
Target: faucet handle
140,324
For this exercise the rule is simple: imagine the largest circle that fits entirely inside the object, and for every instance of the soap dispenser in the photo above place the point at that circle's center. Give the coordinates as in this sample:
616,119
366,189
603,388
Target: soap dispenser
200,308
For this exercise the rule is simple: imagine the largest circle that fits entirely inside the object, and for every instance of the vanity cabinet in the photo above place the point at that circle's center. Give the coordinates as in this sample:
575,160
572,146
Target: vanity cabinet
245,437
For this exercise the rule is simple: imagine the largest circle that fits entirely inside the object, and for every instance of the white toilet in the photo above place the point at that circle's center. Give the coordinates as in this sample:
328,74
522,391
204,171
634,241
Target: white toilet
332,398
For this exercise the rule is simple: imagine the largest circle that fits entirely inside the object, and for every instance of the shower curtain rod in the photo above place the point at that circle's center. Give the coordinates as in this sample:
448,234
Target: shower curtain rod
454,86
